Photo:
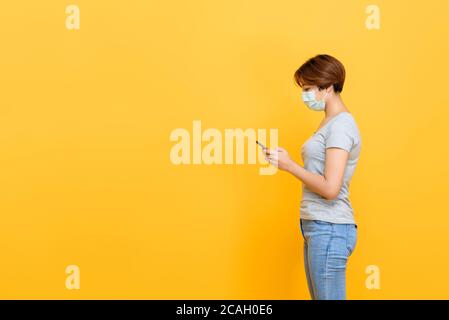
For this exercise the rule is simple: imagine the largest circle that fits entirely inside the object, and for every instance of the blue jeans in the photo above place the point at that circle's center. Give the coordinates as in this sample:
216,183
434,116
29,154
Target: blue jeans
327,247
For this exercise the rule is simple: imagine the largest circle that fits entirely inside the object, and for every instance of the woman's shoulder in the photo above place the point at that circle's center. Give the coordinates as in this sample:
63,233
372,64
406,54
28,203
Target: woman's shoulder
347,122
347,116
344,118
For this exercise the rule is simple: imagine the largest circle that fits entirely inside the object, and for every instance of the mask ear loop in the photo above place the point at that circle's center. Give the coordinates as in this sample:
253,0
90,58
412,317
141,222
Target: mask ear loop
325,96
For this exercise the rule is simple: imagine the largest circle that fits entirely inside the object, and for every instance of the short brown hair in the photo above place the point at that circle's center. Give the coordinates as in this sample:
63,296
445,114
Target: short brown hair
322,70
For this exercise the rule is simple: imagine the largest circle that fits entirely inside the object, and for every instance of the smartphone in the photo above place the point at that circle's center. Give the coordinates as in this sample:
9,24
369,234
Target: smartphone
261,144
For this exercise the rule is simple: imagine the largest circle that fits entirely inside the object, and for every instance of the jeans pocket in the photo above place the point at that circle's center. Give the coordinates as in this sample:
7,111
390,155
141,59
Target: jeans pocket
351,238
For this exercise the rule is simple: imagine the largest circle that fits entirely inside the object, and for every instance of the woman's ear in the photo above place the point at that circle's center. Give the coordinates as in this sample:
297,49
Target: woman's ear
325,91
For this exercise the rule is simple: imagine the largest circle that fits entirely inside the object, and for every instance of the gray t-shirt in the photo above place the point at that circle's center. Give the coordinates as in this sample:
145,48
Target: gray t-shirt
340,131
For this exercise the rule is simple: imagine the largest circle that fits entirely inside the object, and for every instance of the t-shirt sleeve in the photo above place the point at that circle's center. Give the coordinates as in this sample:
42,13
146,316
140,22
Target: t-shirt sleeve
339,136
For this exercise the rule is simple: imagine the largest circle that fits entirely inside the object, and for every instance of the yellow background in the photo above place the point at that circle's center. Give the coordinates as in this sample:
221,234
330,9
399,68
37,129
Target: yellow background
85,121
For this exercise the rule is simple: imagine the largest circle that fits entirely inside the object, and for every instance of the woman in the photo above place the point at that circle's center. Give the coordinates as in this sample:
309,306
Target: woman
330,156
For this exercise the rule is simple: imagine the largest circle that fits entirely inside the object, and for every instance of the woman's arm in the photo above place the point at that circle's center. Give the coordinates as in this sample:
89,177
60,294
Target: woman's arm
329,185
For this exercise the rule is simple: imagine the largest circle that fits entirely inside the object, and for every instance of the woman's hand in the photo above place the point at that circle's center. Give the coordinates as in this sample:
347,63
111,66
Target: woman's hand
279,158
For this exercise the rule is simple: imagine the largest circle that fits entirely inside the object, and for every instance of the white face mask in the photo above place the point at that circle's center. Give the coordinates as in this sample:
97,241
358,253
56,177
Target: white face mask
309,98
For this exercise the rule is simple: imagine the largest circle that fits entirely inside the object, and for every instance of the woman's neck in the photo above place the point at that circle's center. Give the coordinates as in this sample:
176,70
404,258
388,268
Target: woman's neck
334,106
